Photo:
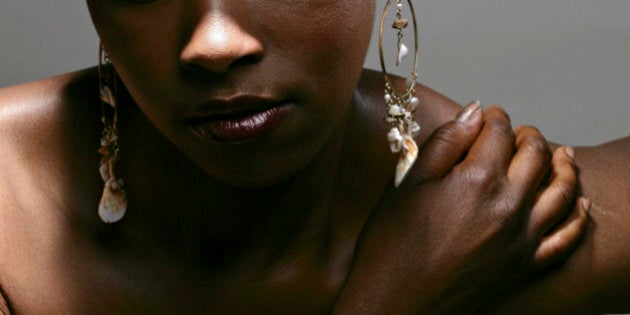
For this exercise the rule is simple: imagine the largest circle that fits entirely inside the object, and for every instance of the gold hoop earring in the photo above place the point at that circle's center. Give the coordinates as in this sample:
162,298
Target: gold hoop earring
113,204
401,106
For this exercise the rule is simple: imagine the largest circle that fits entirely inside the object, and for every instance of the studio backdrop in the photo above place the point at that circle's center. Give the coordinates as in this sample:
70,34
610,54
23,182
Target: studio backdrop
562,65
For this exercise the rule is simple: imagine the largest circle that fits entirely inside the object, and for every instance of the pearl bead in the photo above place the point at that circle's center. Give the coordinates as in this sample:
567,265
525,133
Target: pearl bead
395,110
415,128
402,53
414,102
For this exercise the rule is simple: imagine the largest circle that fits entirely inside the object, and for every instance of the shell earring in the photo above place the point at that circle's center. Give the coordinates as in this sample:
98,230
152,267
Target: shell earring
113,204
401,106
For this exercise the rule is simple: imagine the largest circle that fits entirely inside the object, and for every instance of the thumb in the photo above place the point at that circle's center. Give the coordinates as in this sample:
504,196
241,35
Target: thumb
448,144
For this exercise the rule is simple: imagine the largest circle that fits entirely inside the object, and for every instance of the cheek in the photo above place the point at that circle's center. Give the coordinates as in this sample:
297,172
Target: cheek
135,35
143,45
128,30
335,49
339,33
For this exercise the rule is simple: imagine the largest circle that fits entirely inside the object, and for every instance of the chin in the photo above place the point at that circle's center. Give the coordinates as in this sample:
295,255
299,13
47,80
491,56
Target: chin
257,177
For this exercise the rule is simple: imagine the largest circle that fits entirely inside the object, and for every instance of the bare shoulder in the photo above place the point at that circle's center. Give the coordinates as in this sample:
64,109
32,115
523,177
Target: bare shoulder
38,99
37,122
36,118
434,110
40,145
30,110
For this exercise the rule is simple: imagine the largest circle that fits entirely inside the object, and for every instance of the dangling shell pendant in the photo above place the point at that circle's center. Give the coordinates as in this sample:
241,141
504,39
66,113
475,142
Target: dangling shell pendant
408,156
401,105
113,203
401,135
407,149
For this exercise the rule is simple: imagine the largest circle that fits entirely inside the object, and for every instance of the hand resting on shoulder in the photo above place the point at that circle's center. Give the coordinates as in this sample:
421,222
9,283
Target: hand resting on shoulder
485,207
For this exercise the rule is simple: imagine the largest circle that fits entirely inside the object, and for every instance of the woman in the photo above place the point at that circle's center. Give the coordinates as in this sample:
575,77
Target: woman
227,218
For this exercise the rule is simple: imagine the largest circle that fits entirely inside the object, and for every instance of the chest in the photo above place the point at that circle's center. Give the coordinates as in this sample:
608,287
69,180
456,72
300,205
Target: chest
55,269
75,287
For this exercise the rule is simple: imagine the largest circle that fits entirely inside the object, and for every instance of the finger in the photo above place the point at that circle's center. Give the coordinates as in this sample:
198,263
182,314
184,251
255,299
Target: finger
556,200
494,147
564,238
531,161
448,144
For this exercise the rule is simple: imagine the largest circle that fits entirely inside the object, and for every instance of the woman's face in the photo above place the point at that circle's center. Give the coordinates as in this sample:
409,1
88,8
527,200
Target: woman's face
250,90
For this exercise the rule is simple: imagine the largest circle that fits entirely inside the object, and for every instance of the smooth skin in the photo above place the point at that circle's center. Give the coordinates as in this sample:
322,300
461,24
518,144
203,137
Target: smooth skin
58,256
205,233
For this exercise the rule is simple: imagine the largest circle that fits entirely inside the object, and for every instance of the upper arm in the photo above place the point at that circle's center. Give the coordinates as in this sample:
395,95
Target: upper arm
596,277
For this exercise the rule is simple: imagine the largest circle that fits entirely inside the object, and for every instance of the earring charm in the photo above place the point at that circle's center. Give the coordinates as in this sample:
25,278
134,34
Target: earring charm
401,106
113,204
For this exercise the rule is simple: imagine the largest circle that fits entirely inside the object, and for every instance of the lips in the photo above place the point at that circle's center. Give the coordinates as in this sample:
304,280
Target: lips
238,120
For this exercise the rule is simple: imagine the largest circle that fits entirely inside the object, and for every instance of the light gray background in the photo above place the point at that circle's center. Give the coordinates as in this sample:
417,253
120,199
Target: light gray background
562,65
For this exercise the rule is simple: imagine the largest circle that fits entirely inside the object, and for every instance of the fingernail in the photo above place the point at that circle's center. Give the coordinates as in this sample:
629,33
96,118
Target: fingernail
587,204
570,152
469,112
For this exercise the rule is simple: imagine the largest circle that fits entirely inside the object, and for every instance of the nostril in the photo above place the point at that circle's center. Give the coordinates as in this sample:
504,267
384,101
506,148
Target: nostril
199,74
248,60
220,59
202,70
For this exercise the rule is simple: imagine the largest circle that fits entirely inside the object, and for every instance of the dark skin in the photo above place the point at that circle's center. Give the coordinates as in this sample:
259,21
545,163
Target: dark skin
119,264
224,249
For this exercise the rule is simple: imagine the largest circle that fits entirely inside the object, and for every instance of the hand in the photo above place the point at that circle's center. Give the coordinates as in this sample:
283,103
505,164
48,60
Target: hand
479,211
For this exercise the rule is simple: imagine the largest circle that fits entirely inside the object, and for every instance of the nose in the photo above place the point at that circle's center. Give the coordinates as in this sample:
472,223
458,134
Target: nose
218,43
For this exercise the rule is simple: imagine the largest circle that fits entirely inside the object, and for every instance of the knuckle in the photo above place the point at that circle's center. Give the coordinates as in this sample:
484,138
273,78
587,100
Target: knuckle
501,129
482,179
448,133
478,175
527,129
520,129
563,161
497,109
538,146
